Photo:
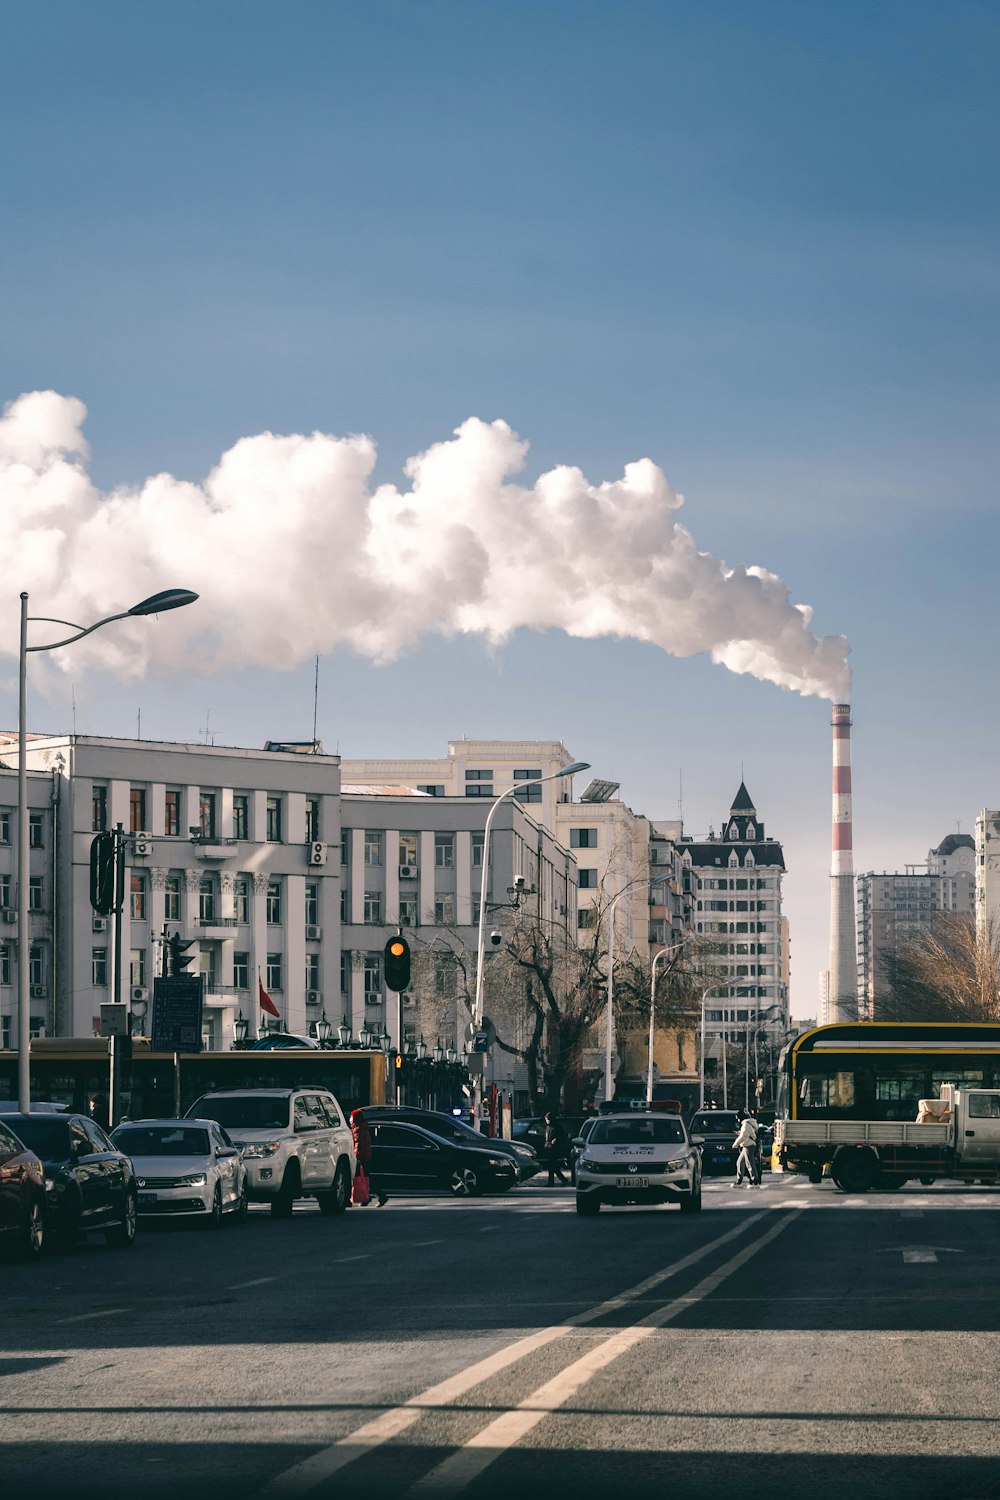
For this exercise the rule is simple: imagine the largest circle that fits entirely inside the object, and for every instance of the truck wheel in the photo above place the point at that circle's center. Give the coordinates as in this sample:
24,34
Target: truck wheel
281,1206
856,1171
815,1175
925,1181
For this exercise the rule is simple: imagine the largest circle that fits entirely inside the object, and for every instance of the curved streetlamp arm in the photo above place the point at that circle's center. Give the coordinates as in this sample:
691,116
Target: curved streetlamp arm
81,630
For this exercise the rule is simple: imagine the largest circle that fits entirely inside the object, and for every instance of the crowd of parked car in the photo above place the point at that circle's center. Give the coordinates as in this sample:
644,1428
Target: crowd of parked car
62,1176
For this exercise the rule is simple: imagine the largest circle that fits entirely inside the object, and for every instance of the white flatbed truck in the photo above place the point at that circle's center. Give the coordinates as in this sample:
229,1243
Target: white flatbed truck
956,1137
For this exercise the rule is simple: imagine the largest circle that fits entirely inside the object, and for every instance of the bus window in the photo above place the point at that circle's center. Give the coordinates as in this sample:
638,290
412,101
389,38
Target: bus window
898,1094
823,1091
962,1078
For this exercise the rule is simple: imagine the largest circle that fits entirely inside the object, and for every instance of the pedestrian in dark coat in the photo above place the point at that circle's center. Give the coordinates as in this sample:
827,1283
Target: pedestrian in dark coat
554,1149
363,1152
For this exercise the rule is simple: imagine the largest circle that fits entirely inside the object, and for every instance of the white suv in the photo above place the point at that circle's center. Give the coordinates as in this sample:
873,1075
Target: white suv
295,1143
638,1158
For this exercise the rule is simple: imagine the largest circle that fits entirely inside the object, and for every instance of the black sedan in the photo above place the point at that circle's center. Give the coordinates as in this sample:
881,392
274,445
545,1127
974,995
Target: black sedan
524,1157
22,1195
407,1156
89,1183
717,1130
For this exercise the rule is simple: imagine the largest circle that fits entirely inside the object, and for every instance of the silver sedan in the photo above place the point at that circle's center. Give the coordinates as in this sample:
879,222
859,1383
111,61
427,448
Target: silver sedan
185,1167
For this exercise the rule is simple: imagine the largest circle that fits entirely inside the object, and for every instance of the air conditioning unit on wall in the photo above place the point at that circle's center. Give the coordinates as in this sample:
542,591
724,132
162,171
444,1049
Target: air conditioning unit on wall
313,997
407,1000
99,924
37,991
313,934
139,992
143,844
317,853
407,872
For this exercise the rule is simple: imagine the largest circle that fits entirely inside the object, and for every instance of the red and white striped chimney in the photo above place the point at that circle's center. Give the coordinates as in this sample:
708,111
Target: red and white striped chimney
843,939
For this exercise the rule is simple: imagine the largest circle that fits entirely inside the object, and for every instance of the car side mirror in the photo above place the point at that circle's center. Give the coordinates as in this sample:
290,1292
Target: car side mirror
697,1140
578,1140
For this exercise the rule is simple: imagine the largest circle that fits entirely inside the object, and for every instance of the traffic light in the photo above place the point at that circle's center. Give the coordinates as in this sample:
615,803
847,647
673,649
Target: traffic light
397,964
178,958
102,874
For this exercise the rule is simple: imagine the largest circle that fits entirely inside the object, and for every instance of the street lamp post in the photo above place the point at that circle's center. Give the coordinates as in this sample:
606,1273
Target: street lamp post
712,993
154,605
663,953
609,1023
477,1014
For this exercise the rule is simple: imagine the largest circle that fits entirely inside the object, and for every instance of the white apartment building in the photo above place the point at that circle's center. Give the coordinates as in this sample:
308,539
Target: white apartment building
234,849
42,890
414,861
608,841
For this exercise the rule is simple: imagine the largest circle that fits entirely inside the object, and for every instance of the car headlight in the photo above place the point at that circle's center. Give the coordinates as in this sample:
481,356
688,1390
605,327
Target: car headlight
587,1163
677,1165
193,1179
501,1161
522,1150
50,1184
261,1148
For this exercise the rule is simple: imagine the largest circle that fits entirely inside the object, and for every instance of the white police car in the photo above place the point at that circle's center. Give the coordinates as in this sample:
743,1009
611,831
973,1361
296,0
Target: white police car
638,1158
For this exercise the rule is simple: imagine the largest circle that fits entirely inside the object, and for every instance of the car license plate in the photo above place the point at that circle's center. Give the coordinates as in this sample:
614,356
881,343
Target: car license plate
147,1200
631,1182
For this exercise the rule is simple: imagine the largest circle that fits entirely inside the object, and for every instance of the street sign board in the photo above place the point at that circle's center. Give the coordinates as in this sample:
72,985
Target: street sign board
177,1001
114,1019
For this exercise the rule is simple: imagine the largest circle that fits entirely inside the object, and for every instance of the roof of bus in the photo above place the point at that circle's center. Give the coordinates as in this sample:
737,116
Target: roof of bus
853,1036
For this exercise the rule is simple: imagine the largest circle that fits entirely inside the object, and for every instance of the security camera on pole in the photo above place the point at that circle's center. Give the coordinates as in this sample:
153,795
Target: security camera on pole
496,937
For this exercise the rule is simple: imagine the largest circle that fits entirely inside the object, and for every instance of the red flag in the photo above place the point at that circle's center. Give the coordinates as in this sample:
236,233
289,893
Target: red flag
266,1003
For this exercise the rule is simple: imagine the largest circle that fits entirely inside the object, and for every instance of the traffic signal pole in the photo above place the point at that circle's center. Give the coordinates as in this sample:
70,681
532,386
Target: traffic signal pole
115,1102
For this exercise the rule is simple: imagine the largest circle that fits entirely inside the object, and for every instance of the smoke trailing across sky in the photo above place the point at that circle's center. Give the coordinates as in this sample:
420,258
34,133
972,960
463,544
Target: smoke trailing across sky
294,551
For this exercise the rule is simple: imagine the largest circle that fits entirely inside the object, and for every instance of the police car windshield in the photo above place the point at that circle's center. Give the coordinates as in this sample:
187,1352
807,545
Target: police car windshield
636,1132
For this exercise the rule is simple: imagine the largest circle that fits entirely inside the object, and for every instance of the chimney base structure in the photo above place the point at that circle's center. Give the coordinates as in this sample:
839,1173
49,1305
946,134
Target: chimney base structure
843,935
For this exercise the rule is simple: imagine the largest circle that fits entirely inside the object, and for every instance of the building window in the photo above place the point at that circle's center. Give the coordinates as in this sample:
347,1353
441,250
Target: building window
274,903
312,903
345,973
408,850
312,820
5,825
583,838
36,889
206,899
4,890
137,810
528,793
137,897
99,968
373,906
345,905
373,976
137,966
241,815
35,975
345,846
206,967
312,971
241,899
99,809
587,880
478,841
434,789
4,963
273,833
36,826
172,812
373,847
444,850
172,898
444,910
407,911
479,783
206,814
274,972
241,971
584,918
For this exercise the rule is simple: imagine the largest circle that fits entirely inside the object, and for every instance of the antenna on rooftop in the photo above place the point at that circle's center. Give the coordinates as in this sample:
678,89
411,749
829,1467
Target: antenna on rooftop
206,733
315,702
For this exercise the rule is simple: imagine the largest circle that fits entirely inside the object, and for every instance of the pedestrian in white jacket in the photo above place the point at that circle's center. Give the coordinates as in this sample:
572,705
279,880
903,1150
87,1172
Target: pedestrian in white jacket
746,1144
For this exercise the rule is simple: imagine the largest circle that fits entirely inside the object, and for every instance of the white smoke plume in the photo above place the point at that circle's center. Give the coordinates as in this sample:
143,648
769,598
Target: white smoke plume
294,551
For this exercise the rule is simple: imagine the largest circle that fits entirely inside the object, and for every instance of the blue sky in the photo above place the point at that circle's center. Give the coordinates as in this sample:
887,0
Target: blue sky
757,244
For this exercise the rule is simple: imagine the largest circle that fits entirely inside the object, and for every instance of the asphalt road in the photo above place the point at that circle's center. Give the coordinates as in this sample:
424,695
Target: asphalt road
786,1340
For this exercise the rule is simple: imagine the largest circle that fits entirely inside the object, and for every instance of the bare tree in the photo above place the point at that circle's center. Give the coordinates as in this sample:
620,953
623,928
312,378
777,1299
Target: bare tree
951,973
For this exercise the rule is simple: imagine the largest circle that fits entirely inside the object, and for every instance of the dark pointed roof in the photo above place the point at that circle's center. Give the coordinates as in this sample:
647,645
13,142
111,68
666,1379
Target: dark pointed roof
742,802
954,841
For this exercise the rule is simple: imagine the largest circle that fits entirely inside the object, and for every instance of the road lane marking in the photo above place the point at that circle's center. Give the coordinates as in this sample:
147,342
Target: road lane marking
106,1312
312,1471
467,1463
420,1244
343,1259
239,1286
918,1254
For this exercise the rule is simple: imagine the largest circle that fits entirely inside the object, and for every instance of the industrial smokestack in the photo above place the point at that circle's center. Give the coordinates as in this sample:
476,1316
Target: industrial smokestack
843,941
